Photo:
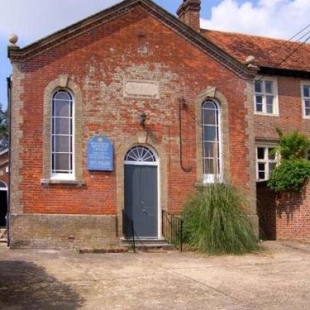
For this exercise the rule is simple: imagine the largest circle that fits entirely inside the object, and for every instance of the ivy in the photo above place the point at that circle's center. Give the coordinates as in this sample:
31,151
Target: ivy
293,170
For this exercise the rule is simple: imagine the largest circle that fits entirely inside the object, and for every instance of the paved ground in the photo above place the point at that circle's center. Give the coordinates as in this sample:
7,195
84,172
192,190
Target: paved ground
276,278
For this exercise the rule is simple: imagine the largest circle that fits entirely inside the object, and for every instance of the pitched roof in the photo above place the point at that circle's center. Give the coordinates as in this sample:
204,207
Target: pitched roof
119,11
269,53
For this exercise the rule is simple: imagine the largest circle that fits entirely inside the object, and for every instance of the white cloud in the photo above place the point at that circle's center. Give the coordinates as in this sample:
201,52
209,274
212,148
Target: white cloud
273,18
33,19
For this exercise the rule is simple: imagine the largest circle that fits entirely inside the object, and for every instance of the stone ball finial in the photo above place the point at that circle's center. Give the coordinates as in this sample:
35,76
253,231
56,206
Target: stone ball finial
13,38
250,59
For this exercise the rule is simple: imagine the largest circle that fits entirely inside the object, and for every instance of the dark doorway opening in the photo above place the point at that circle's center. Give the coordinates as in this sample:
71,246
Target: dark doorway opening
3,208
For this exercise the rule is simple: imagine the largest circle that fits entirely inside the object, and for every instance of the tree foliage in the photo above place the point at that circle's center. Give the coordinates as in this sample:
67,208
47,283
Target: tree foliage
4,128
292,145
294,169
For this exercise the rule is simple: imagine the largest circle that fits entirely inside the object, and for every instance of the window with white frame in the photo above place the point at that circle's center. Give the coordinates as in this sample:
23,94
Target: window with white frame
62,148
265,98
266,161
211,142
306,99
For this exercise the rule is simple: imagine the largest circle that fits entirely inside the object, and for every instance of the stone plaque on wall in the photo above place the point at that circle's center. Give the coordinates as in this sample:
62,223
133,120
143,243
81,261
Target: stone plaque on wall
100,154
141,89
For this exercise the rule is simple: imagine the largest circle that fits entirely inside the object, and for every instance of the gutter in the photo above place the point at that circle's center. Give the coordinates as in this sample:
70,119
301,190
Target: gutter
284,72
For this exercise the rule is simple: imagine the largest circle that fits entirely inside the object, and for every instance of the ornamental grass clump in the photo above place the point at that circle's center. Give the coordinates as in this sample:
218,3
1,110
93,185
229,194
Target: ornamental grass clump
215,221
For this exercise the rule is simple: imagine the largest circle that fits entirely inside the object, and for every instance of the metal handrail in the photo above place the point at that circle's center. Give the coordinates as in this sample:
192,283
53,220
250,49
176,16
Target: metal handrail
172,229
128,230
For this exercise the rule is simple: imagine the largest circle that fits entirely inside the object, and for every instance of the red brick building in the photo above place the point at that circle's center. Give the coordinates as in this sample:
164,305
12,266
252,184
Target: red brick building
284,69
131,108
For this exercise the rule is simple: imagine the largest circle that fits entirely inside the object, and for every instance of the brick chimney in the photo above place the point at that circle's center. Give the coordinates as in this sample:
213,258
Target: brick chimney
189,13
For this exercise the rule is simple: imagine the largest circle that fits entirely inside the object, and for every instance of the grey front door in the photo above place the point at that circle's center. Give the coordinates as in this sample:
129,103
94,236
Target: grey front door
141,196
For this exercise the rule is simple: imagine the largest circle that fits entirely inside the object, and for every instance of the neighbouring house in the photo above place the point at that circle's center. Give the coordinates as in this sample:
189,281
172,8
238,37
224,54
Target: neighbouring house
4,181
281,99
127,111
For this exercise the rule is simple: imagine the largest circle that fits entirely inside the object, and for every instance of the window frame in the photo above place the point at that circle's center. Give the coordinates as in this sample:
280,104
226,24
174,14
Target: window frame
264,95
304,99
266,161
209,178
71,174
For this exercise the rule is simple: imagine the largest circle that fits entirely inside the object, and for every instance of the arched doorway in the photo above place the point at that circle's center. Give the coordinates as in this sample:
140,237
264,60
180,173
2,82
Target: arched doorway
141,191
3,203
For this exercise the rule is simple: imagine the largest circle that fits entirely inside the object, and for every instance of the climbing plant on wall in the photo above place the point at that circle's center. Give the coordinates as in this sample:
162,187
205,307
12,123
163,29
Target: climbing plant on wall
294,168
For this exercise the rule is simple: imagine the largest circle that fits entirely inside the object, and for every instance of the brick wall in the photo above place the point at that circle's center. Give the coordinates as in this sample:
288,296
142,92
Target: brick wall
290,111
284,216
293,216
55,231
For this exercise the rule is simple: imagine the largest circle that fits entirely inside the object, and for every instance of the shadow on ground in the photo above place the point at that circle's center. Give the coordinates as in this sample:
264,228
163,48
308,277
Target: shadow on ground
24,285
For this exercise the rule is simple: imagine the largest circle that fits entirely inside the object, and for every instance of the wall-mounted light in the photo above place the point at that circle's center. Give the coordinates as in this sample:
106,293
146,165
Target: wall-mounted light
142,118
182,103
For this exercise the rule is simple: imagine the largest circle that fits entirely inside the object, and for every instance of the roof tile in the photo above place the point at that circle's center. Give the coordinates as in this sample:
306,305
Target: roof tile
268,52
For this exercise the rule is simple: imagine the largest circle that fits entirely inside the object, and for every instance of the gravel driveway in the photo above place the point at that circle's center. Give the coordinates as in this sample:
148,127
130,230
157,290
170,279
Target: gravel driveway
276,278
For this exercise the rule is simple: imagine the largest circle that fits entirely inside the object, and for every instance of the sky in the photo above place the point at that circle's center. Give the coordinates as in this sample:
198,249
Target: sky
32,20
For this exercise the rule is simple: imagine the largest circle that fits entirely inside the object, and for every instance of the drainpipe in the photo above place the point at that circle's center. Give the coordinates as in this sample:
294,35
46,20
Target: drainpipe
9,108
182,106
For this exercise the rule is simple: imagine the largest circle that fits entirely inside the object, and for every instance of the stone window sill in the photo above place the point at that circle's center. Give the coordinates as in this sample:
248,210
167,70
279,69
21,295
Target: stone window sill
73,183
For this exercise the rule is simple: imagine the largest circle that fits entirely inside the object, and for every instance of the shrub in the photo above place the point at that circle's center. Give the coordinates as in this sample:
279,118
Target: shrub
292,145
215,221
290,175
294,170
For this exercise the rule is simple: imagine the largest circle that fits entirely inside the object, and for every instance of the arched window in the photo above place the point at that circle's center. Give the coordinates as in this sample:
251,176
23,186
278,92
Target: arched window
140,155
62,144
3,186
211,142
